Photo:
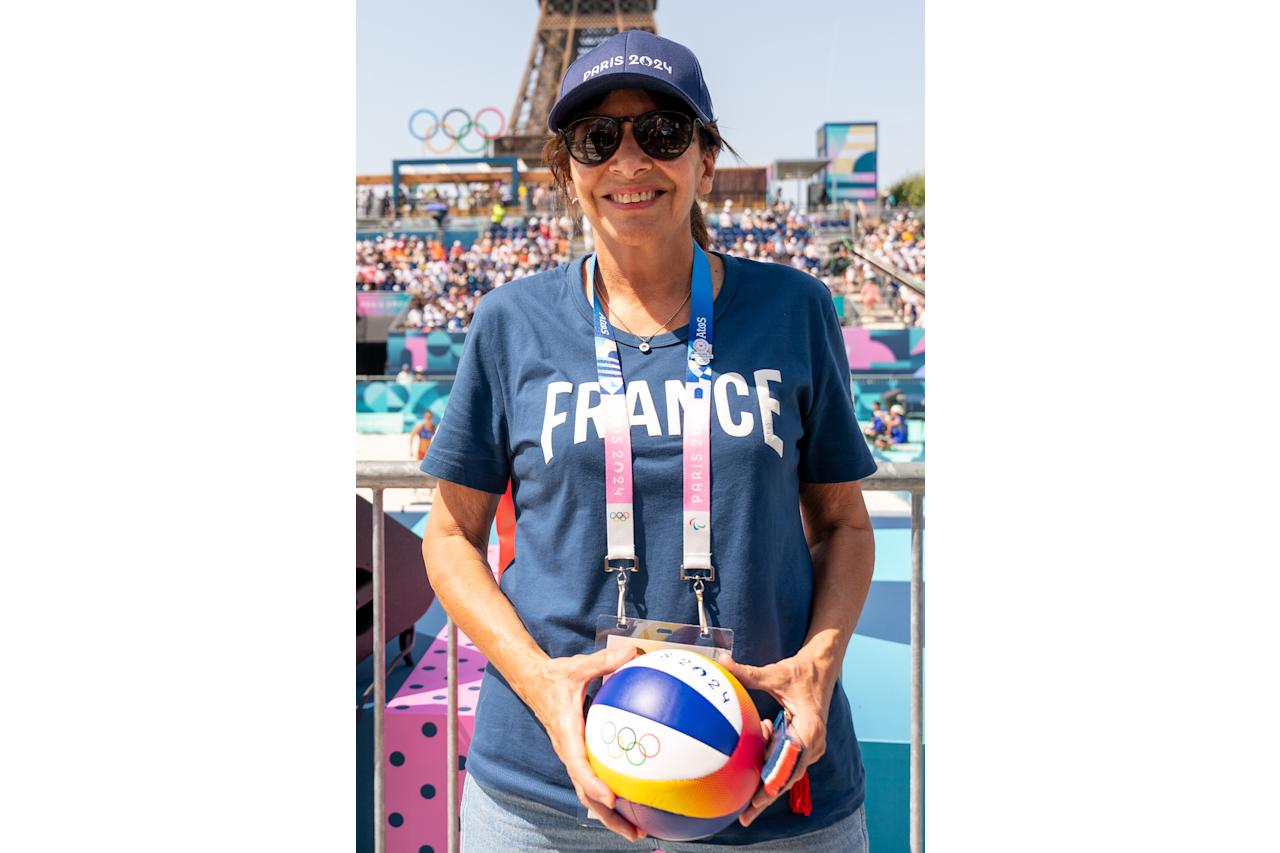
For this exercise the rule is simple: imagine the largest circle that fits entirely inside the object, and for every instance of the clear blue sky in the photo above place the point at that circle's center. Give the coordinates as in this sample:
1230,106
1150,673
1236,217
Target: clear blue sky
776,70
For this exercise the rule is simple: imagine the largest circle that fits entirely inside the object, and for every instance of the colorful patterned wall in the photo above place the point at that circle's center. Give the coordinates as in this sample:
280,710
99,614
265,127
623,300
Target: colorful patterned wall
389,407
436,352
899,351
380,303
869,350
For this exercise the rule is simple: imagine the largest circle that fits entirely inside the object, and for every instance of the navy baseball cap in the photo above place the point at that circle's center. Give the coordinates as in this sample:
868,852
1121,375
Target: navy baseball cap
632,59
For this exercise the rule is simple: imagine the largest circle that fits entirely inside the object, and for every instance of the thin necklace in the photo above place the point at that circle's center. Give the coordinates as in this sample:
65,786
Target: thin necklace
644,341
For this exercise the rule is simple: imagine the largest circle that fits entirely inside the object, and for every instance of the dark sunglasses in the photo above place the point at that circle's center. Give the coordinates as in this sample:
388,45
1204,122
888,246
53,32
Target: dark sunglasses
662,134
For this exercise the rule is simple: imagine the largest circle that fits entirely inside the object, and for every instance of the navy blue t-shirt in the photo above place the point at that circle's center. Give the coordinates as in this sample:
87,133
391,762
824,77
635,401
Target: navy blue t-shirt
526,407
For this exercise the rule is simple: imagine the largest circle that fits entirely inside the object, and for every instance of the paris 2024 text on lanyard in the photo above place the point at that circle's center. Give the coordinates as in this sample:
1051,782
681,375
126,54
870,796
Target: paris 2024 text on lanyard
620,557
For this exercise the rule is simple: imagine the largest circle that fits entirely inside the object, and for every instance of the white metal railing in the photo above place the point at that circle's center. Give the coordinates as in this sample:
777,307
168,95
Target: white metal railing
379,476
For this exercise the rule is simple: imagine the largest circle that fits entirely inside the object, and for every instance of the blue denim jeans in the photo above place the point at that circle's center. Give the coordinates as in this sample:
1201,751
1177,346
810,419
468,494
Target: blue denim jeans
493,821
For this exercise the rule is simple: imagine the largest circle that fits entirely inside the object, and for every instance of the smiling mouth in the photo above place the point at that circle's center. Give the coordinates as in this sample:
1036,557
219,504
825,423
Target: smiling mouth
634,198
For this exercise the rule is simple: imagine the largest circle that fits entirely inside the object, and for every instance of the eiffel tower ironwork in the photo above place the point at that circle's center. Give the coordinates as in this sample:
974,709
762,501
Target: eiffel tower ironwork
566,30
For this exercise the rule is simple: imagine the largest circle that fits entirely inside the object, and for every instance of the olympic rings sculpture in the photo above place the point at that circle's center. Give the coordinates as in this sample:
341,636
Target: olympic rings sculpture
463,126
623,741
619,516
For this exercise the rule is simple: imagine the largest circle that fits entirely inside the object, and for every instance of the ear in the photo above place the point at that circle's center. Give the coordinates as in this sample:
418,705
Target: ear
708,172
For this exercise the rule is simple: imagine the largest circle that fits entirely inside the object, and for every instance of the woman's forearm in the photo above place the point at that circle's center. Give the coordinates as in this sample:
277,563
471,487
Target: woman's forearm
465,586
843,562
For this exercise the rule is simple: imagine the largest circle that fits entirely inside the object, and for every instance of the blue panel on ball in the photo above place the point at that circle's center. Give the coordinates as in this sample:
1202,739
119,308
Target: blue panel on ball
671,827
666,699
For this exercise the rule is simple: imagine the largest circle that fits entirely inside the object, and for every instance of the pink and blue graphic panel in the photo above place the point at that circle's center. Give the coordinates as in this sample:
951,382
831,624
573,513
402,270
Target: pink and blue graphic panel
380,303
896,351
850,151
391,407
435,352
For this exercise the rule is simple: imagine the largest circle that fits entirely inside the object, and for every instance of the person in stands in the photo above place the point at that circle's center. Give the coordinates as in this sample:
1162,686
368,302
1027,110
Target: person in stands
877,427
870,295
896,428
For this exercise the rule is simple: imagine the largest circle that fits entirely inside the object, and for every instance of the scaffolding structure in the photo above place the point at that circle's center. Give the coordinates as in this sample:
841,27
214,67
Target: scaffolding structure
566,30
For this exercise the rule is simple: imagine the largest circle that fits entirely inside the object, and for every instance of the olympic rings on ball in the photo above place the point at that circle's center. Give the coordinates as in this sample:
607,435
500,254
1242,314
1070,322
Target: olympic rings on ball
636,749
464,125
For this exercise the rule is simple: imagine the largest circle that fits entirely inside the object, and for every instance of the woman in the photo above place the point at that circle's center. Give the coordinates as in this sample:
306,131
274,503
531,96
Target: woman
634,145
420,438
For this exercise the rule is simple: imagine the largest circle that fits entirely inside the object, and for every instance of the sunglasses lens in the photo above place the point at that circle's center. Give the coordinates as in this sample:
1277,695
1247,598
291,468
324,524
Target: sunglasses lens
593,139
664,135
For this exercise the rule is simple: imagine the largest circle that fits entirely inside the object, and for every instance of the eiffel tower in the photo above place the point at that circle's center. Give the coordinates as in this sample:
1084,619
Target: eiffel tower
566,30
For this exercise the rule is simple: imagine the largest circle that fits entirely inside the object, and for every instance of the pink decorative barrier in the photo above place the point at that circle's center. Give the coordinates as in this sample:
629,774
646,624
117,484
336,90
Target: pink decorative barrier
414,732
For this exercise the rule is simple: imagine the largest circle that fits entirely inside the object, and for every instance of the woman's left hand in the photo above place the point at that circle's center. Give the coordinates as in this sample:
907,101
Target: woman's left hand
803,686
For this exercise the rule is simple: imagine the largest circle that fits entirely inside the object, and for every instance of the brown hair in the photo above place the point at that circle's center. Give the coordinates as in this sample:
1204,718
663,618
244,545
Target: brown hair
556,156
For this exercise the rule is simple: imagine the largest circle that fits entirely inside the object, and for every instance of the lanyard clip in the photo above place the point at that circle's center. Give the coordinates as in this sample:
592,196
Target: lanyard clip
705,573
701,576
613,564
702,610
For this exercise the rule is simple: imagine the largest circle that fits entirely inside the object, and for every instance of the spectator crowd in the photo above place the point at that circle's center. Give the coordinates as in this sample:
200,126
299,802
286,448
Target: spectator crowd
776,233
896,241
446,199
447,283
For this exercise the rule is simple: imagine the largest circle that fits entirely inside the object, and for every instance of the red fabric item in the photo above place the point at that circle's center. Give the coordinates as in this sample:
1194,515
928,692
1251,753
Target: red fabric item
801,801
506,521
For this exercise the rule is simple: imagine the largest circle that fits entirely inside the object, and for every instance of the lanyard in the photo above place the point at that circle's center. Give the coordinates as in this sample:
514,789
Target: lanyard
620,555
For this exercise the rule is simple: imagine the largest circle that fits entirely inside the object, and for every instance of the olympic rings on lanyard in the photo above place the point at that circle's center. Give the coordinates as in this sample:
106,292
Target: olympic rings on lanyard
456,132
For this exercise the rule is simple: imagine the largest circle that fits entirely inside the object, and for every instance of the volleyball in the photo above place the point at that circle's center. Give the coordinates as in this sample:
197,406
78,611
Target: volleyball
676,737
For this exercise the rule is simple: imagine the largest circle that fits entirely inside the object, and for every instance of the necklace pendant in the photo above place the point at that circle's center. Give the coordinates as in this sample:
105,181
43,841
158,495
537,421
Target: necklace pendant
644,346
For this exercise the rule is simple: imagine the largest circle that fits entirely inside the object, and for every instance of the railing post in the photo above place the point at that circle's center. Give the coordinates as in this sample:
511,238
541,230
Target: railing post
379,674
917,673
451,741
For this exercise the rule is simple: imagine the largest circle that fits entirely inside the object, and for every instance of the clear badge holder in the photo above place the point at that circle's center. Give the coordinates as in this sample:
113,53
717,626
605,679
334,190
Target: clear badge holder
650,635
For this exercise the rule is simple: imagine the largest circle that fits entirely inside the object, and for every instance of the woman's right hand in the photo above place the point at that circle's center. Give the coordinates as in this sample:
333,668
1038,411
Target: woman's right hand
556,693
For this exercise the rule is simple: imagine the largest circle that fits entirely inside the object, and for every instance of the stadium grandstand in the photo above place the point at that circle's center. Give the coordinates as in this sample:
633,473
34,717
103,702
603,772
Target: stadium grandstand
447,257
